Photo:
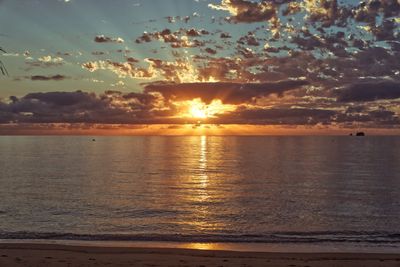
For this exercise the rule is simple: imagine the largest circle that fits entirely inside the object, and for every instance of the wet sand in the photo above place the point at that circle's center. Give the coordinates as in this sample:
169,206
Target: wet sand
66,255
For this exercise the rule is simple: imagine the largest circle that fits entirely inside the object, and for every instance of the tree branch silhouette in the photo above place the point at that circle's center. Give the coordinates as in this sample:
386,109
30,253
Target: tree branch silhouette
3,69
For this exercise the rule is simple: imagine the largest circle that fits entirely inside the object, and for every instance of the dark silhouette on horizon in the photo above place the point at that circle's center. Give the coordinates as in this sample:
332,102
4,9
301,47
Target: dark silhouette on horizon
357,134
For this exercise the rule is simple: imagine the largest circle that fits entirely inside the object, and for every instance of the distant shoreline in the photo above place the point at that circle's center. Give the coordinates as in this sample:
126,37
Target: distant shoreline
256,247
186,130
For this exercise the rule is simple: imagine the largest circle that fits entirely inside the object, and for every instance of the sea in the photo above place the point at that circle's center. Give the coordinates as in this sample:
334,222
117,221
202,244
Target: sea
327,193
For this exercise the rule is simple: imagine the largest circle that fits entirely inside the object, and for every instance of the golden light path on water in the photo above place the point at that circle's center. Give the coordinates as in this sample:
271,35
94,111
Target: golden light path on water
200,182
203,161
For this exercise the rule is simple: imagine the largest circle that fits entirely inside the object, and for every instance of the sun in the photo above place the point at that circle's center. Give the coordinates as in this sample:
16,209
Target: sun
198,109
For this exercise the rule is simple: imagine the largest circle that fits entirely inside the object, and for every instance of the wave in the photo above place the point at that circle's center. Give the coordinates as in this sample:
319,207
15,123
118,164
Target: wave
273,237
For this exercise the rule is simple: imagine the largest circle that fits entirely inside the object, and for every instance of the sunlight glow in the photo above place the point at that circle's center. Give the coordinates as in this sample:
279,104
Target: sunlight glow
203,246
196,108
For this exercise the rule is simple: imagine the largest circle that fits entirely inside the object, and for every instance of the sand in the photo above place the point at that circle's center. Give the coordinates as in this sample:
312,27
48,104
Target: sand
68,255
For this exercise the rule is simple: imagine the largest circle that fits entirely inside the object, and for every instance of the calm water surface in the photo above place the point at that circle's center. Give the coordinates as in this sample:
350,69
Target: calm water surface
205,189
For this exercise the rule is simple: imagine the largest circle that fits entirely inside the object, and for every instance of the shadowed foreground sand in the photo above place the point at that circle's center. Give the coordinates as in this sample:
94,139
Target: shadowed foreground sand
63,255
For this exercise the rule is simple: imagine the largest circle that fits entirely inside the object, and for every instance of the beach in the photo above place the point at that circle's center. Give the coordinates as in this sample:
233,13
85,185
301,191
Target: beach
25,254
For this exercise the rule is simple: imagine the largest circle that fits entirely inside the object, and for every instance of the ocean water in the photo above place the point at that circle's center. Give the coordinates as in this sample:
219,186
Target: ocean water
267,190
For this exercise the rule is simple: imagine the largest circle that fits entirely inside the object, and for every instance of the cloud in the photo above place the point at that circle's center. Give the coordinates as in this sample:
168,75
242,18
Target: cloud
57,77
249,39
247,11
50,59
350,45
369,91
45,61
78,107
376,117
287,116
106,39
179,70
137,108
115,107
228,93
210,51
59,98
193,32
98,53
122,69
225,35
177,39
368,11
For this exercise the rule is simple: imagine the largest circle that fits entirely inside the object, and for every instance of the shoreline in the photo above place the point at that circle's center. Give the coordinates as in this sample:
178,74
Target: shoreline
42,254
268,247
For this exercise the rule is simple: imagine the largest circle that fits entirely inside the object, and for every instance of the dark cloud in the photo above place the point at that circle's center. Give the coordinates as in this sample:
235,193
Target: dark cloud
59,98
144,99
292,116
78,107
145,38
245,52
369,91
232,93
98,53
132,60
177,39
106,39
225,35
44,64
185,19
193,32
377,116
249,39
210,51
382,114
57,77
367,11
115,107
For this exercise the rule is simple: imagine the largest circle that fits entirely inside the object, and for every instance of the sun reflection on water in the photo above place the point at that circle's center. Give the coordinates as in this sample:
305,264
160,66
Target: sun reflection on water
201,196
203,177
204,246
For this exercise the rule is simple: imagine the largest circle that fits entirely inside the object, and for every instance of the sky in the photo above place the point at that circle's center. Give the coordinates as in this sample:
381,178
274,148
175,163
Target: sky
123,64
